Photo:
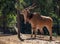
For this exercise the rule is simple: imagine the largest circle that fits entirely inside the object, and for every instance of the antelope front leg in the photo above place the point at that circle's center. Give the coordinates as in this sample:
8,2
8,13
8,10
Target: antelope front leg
31,33
41,30
35,33
33,30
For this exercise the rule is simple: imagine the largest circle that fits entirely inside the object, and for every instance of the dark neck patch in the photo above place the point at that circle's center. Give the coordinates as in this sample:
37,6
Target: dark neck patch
30,15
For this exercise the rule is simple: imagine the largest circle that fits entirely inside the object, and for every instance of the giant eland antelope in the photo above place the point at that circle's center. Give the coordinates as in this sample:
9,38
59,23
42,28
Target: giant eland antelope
37,21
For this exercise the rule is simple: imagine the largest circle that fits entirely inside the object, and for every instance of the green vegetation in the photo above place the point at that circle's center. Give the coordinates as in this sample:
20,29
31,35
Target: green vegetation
44,7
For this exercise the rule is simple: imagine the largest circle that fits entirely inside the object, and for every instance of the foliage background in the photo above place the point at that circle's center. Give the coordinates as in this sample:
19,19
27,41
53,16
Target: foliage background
44,7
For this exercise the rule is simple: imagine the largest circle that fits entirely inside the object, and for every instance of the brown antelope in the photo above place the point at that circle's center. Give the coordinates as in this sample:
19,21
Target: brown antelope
37,21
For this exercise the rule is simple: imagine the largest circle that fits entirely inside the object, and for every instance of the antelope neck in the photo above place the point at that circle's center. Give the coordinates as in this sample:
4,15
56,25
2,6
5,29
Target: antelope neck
30,15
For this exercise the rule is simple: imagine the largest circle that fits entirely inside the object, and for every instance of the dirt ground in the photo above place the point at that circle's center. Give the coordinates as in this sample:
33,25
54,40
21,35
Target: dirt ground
12,39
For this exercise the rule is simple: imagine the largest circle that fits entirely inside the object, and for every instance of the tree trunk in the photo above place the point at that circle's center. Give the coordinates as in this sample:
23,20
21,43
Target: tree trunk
18,24
4,24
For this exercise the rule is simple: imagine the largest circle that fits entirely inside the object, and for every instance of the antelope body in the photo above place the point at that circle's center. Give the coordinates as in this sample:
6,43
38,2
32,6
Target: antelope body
38,21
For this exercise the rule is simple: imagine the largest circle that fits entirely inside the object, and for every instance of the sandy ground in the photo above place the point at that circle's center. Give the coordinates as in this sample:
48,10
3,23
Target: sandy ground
12,39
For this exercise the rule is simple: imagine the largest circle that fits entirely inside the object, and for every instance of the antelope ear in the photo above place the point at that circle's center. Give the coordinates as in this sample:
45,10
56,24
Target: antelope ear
28,10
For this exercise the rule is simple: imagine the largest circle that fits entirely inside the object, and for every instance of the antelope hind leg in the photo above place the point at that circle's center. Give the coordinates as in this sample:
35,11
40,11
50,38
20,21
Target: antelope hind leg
50,33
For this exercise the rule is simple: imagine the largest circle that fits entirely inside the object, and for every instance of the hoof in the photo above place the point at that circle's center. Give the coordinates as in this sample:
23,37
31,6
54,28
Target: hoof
50,38
22,39
31,36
